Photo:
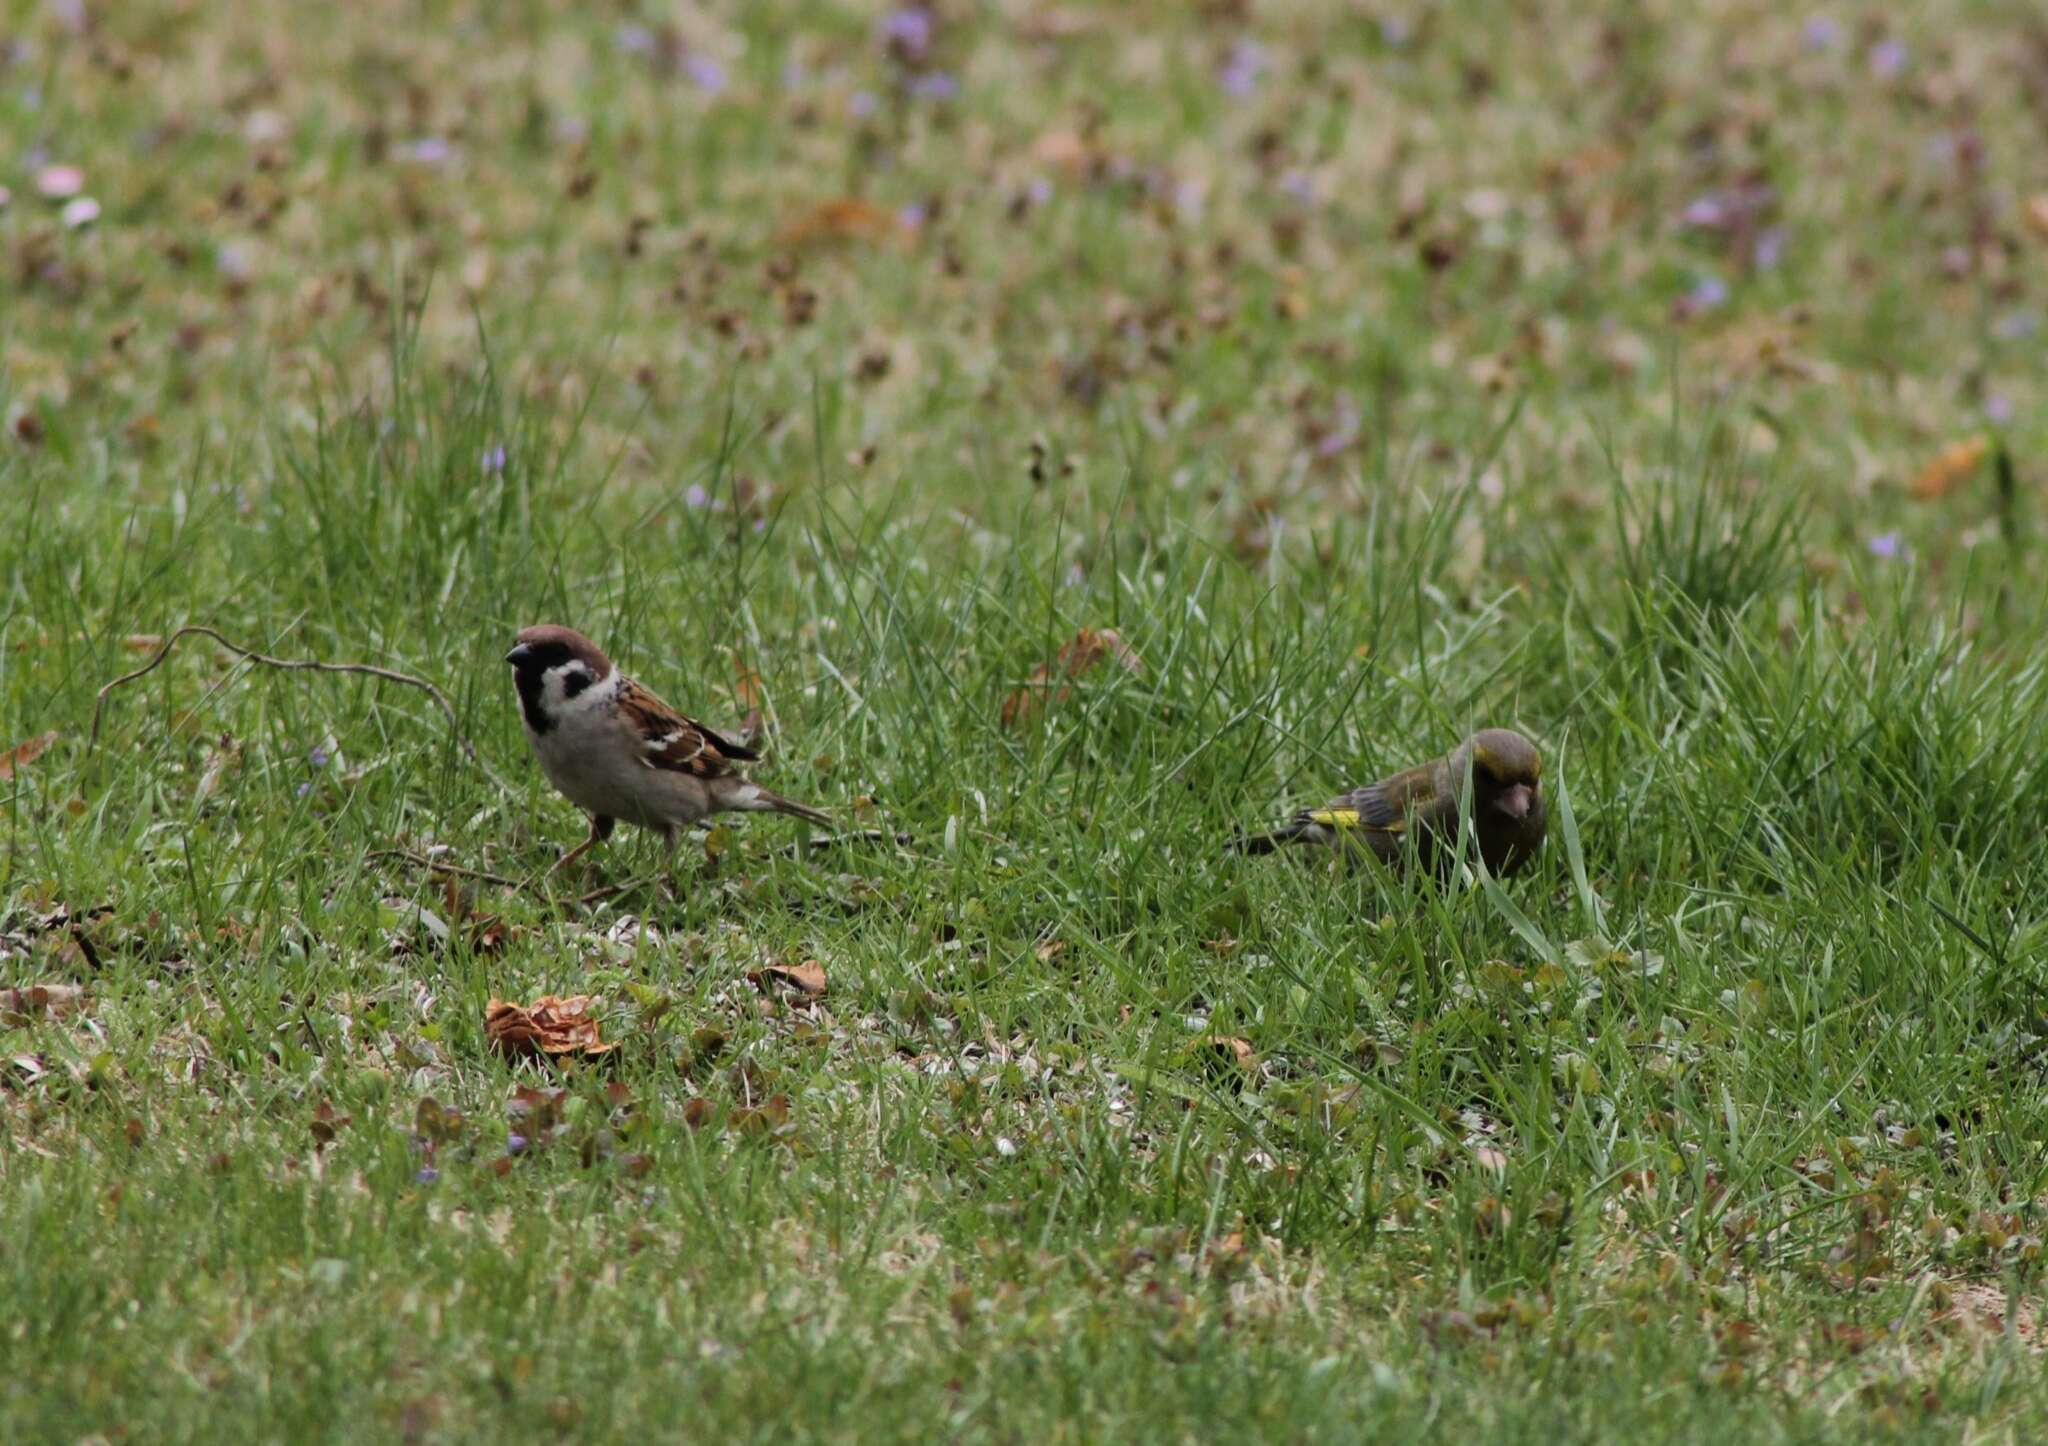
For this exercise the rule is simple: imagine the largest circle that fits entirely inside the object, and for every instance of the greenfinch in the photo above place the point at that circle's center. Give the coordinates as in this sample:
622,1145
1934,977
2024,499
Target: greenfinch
1414,814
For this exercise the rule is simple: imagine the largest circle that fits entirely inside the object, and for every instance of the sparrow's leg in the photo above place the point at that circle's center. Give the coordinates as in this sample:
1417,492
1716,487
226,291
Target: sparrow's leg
600,830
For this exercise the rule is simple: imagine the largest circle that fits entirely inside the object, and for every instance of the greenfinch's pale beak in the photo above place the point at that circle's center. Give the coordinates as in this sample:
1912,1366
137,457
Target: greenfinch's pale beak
1516,800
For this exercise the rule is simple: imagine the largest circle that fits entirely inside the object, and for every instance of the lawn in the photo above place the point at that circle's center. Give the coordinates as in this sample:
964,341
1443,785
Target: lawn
1662,380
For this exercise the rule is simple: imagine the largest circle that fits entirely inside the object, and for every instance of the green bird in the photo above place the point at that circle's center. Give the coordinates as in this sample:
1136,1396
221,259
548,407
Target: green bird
1414,814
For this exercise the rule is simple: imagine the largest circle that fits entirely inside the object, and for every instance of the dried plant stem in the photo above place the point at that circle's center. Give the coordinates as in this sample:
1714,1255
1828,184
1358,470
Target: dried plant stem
368,670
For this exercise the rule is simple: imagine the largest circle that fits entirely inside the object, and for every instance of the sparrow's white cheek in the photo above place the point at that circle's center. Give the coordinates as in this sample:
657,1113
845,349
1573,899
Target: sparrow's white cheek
571,689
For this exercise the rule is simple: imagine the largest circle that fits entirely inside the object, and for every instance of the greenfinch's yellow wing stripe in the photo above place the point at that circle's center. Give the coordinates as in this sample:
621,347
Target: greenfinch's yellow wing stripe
1348,818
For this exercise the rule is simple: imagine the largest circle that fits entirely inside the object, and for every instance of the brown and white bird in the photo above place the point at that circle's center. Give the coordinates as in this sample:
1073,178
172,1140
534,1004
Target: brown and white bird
621,754
1414,814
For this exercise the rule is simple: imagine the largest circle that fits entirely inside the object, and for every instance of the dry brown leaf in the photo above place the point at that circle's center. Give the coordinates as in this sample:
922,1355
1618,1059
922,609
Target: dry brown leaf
697,1112
1229,1049
532,1110
2037,215
1081,654
805,980
549,1026
772,1114
1951,468
326,1124
842,218
746,684
434,1121
1063,149
18,1006
25,752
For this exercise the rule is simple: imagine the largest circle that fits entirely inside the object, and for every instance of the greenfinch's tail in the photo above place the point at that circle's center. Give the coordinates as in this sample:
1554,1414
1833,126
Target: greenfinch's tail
1296,830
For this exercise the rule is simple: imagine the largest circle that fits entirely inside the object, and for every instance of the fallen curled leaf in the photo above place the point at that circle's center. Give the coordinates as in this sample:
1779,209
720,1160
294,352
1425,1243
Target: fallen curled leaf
1080,655
840,219
1950,469
697,1112
805,980
549,1026
25,752
18,1006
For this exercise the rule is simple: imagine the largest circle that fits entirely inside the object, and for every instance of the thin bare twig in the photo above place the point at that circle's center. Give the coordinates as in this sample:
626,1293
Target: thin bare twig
835,840
369,670
605,891
525,886
436,866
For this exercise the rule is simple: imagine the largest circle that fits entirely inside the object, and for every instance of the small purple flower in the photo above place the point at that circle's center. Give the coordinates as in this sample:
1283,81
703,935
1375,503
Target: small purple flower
317,756
1770,248
911,217
696,497
1821,33
794,76
428,151
515,1144
1300,187
1707,293
1888,58
1998,409
494,458
908,31
1395,31
1707,213
426,1175
705,73
1889,545
302,790
935,85
2015,326
634,39
1039,191
863,104
1344,431
1241,69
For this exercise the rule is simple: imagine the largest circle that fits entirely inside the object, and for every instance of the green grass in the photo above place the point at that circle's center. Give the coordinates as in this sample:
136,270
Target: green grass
1723,1121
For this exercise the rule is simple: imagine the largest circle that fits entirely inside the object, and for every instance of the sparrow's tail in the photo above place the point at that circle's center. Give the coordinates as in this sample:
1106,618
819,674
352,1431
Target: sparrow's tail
1295,830
755,799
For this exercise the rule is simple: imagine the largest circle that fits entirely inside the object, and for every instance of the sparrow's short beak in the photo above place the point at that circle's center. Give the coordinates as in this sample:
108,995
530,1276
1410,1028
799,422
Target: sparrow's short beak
1516,801
519,655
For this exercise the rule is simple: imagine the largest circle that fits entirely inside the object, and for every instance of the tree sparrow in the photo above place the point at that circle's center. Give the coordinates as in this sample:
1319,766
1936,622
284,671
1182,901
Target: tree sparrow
1416,812
618,752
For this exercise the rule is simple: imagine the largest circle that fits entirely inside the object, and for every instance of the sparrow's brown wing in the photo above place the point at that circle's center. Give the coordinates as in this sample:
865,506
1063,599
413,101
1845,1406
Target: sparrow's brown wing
670,740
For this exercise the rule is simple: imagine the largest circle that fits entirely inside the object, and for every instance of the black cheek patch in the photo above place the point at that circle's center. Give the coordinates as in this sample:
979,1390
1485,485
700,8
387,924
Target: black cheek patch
575,683
529,685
